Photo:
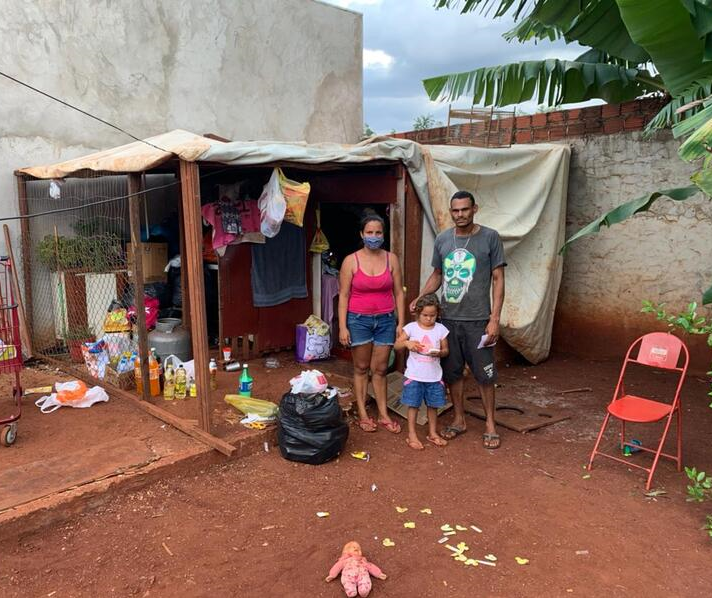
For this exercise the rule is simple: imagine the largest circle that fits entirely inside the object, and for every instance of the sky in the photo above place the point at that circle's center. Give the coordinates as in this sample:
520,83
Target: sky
406,41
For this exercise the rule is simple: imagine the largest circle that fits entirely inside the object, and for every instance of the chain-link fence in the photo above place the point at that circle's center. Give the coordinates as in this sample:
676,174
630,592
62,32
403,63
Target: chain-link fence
78,257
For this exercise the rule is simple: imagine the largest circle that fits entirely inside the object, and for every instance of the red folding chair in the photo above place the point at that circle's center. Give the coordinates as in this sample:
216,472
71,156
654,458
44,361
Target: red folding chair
657,350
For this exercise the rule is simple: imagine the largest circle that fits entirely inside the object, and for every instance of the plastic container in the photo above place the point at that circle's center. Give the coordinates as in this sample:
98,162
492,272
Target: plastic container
154,374
181,383
169,384
213,374
245,387
137,374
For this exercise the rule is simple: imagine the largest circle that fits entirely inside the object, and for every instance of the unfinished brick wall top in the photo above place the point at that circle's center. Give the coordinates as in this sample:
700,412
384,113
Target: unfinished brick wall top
556,125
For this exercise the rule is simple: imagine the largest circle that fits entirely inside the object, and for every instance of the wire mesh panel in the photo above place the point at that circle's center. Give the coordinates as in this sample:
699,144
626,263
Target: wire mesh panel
78,260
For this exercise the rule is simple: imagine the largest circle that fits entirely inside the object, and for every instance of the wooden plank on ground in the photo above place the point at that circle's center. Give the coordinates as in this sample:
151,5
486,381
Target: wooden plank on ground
56,473
395,389
517,414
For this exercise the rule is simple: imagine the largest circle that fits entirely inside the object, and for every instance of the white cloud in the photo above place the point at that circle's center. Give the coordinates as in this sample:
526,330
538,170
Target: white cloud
377,59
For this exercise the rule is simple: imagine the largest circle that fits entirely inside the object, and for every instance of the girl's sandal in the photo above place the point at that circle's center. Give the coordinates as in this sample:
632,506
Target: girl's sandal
416,446
367,425
437,441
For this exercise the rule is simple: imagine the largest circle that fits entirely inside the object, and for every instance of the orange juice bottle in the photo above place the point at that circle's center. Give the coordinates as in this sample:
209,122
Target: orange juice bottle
154,374
137,374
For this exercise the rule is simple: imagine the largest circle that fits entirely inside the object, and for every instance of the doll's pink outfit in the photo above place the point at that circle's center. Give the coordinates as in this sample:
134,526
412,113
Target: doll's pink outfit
356,574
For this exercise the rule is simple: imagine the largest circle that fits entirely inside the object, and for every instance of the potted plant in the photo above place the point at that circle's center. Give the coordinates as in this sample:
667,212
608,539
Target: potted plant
74,338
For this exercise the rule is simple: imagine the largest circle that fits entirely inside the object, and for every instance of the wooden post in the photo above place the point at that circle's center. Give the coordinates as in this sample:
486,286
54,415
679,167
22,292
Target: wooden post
184,282
135,186
413,241
193,262
25,250
24,332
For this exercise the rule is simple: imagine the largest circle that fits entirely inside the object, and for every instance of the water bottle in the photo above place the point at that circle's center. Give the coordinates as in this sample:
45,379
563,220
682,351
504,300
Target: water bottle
245,388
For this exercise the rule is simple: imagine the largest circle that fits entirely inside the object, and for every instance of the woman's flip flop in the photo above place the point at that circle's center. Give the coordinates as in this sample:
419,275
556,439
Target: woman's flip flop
367,425
392,426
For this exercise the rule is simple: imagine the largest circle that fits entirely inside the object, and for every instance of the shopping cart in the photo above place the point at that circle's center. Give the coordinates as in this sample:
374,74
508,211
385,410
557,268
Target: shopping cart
10,350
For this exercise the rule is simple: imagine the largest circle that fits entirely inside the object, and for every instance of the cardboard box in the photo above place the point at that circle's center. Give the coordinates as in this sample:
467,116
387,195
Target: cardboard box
154,259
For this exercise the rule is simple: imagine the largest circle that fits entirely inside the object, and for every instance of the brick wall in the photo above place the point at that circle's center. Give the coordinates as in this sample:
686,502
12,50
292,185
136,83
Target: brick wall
553,126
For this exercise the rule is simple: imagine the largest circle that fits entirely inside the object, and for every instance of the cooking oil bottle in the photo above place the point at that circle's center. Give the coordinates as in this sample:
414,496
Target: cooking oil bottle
169,383
181,383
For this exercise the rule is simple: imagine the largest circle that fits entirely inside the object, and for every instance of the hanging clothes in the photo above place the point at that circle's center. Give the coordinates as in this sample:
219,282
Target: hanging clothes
279,269
329,290
220,238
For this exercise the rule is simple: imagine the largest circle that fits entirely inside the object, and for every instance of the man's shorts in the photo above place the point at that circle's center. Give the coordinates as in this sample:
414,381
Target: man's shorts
379,329
463,340
415,392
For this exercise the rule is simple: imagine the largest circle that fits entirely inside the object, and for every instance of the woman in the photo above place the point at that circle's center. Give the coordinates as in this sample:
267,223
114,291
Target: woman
370,290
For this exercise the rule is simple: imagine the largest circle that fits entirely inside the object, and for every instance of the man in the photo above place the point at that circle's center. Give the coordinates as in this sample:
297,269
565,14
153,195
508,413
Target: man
467,260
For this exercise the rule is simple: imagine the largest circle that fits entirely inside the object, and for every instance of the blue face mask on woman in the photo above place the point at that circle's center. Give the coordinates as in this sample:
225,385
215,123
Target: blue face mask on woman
373,242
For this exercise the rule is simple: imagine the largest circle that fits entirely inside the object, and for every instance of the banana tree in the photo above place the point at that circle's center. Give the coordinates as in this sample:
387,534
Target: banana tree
636,47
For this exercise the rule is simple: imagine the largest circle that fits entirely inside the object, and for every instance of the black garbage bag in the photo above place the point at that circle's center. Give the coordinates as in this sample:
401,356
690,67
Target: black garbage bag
311,428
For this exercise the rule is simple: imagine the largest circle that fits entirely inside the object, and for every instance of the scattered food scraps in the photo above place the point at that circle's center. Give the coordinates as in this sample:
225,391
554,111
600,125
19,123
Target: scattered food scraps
452,533
581,552
361,455
388,542
585,477
490,557
460,528
446,527
472,562
521,561
477,529
426,511
401,509
409,524
460,557
374,487
462,547
443,540
449,547
488,563
322,514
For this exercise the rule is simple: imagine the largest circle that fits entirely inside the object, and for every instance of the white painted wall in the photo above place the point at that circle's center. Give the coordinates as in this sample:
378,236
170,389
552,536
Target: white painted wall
247,69
663,255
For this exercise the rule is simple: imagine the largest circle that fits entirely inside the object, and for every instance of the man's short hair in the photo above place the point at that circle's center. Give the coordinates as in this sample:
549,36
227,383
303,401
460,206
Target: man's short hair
463,195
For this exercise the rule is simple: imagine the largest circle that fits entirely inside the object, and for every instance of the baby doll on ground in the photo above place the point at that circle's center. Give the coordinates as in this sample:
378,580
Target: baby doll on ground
355,571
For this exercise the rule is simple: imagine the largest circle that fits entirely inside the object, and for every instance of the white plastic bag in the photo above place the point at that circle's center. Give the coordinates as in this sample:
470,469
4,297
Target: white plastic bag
272,206
50,403
188,366
309,382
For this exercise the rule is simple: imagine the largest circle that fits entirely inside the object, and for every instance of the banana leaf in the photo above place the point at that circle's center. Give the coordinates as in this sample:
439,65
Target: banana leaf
549,81
628,209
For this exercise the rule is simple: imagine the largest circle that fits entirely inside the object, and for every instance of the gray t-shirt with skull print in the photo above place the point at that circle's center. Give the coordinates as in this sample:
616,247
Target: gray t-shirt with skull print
467,264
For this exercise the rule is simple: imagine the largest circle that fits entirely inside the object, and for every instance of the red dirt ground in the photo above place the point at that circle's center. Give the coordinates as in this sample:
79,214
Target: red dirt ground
249,527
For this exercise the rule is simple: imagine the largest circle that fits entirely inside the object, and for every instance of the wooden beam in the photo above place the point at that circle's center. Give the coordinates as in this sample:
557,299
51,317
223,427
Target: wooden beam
135,186
193,262
413,241
184,282
25,250
187,426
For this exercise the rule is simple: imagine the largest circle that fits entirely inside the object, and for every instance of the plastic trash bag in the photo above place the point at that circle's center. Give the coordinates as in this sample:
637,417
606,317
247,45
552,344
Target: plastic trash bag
272,206
296,196
311,428
313,340
319,243
248,405
309,382
74,394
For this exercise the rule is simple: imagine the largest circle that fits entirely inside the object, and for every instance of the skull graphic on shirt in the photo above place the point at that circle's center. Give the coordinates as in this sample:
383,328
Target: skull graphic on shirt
458,270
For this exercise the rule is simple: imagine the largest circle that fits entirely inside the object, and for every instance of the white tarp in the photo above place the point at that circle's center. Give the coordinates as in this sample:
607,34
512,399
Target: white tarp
521,191
522,194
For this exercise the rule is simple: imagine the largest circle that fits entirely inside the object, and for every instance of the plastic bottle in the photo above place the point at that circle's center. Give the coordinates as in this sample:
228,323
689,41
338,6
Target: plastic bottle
169,384
213,373
192,388
181,383
245,388
154,374
137,374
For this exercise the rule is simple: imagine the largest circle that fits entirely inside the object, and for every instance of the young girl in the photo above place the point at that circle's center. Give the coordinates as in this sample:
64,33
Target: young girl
426,342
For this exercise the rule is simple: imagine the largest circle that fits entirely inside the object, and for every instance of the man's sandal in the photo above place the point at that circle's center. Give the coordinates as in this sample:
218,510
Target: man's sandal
450,432
491,441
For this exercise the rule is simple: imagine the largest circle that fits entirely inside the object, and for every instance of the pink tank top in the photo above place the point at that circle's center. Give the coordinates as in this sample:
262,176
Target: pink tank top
372,295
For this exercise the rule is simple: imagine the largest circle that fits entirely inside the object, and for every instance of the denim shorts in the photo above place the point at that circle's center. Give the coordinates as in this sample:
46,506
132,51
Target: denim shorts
415,392
379,329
